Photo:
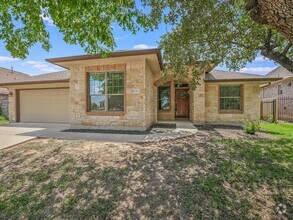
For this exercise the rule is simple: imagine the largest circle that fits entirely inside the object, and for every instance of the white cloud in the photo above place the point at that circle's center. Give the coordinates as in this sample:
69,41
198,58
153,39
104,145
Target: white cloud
257,69
122,37
48,20
4,59
142,46
42,66
32,62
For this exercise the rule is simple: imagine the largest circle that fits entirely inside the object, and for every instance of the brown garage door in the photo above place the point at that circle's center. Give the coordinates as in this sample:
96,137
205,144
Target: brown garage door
44,105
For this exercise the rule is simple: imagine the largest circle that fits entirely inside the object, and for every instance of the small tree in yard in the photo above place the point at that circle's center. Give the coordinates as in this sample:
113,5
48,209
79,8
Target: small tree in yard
230,32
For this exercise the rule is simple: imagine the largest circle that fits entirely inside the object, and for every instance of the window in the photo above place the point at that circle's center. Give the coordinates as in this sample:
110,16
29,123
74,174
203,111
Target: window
106,91
230,98
280,90
164,97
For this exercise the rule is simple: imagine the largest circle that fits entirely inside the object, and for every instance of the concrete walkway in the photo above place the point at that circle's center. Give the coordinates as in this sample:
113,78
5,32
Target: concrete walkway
16,133
182,125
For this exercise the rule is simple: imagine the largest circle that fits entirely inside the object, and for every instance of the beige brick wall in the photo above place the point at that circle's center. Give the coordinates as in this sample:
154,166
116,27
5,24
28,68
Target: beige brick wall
251,108
138,107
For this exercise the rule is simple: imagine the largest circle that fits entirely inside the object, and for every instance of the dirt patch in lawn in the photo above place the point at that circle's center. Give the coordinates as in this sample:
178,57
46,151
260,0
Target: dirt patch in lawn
197,177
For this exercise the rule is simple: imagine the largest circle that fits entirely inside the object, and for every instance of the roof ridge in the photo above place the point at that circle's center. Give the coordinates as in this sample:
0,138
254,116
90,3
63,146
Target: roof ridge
239,72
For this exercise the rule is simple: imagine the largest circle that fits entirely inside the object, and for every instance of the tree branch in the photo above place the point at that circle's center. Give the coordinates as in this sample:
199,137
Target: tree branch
269,37
280,58
287,48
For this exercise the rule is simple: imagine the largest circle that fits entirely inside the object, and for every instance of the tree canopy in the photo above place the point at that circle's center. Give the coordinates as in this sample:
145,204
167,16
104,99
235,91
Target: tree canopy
84,22
229,32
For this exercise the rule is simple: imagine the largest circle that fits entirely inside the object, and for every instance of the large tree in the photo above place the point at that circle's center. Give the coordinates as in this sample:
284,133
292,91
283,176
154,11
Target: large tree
230,32
218,31
84,22
276,13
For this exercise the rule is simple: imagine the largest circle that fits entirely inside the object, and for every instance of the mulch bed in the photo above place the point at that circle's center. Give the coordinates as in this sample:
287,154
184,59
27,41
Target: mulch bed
107,131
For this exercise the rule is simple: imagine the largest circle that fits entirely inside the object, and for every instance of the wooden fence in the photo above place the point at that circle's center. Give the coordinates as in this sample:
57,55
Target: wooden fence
277,109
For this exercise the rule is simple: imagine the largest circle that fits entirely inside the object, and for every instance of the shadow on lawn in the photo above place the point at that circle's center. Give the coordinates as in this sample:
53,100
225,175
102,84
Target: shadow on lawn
192,177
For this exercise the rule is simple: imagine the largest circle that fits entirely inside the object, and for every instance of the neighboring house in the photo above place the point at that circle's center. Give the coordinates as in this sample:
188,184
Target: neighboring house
8,75
126,91
280,88
282,91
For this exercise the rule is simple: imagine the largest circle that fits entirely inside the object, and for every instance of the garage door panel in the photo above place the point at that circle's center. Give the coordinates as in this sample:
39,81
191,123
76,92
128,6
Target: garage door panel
46,105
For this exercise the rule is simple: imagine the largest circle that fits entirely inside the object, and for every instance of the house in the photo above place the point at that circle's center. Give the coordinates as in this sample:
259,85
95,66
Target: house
8,75
126,91
281,91
280,88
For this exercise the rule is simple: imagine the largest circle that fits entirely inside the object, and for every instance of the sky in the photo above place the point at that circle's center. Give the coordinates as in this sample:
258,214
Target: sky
35,63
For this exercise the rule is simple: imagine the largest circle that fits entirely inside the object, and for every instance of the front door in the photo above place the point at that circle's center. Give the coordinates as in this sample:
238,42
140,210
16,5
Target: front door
182,103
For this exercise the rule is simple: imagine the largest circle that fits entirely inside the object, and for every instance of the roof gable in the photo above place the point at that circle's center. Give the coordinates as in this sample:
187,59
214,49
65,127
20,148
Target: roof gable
280,72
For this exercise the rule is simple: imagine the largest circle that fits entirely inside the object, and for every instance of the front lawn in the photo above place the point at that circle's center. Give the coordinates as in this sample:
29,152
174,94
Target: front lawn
200,177
282,130
3,119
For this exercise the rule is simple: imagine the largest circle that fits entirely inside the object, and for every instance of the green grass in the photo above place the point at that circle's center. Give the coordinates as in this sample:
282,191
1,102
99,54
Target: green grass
3,119
281,130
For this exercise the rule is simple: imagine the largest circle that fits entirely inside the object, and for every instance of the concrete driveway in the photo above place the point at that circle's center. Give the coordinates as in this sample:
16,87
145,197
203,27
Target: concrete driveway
16,133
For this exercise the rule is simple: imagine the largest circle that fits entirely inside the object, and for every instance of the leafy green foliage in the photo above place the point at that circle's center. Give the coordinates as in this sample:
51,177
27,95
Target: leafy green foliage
201,34
88,23
251,126
214,32
3,119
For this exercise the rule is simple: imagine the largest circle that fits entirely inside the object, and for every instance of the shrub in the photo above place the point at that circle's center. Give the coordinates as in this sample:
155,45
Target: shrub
251,126
271,119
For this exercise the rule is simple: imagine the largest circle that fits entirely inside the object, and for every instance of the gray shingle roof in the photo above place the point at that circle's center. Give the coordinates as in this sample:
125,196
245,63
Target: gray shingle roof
7,75
49,77
280,72
221,75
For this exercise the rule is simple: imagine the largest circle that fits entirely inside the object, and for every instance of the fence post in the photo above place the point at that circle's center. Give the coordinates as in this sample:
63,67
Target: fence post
274,110
261,110
277,108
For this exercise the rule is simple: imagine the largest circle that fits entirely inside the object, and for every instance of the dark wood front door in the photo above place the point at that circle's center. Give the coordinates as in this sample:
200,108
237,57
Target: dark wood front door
182,103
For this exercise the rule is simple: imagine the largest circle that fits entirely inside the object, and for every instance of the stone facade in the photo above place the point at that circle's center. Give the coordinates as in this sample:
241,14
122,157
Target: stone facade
251,103
4,104
139,105
142,79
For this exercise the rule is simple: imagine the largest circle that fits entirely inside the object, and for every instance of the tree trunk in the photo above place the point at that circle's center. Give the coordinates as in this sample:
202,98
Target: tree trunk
280,58
276,13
